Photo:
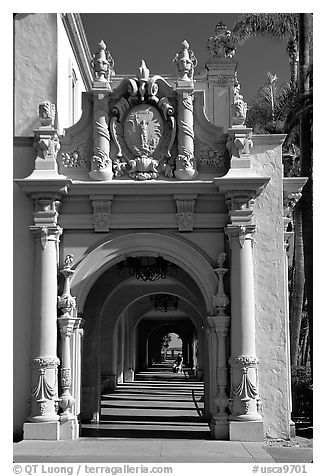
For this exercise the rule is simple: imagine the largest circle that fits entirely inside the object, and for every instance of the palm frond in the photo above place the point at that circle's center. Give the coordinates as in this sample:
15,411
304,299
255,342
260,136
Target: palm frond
272,25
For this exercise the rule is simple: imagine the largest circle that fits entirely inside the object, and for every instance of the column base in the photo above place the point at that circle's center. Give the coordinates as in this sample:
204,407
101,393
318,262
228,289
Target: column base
68,430
219,429
292,429
246,431
42,431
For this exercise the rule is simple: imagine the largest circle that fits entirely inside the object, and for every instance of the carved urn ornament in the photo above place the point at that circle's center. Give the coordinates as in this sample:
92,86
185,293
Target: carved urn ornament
102,63
186,62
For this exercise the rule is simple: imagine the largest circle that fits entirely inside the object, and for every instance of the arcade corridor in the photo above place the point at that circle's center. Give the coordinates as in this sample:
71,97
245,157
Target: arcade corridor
158,404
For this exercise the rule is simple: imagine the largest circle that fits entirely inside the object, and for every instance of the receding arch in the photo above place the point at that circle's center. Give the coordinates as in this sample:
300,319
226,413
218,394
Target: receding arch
174,249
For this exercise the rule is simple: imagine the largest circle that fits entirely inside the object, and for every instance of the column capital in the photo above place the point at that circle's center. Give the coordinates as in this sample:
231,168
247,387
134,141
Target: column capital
68,324
46,233
241,232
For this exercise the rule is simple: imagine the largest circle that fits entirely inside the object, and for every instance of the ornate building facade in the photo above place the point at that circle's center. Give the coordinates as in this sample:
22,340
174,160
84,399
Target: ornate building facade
159,189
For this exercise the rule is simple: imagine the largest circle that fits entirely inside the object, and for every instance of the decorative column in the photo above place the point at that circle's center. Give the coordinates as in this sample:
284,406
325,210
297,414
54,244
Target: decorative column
219,421
186,167
101,165
67,323
245,402
44,344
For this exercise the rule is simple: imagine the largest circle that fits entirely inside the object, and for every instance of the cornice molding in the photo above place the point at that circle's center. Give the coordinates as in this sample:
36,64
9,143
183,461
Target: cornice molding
293,184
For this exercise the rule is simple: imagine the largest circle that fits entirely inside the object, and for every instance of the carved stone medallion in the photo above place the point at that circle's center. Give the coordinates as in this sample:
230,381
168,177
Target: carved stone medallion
143,130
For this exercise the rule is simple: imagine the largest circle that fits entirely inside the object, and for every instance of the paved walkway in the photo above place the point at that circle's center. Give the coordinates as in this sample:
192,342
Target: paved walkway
154,420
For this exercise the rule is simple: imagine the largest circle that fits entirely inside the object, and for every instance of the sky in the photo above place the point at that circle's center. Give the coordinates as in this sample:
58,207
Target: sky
157,37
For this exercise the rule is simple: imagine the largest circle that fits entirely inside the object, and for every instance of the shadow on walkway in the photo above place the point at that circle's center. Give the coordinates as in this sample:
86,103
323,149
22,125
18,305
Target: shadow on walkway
158,404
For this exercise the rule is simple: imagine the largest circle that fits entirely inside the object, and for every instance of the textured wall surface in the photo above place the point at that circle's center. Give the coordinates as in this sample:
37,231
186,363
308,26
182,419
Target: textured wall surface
269,294
35,67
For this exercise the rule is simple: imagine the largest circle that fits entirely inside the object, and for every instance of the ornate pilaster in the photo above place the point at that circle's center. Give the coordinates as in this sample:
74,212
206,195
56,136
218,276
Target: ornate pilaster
185,211
67,322
102,213
101,164
186,167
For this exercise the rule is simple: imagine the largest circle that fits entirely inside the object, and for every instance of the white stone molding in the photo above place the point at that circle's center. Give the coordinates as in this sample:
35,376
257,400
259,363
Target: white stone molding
102,213
185,211
220,299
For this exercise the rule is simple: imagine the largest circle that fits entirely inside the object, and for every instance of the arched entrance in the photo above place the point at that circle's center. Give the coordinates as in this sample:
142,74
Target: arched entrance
118,312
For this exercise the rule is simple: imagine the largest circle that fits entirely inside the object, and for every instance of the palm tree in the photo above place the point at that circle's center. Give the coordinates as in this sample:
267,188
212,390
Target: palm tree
272,25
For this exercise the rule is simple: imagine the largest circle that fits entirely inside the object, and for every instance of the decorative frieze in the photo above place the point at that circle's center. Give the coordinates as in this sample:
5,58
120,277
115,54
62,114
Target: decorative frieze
185,211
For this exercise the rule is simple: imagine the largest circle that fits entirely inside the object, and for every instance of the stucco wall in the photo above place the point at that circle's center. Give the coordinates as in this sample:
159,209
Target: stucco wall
269,293
35,79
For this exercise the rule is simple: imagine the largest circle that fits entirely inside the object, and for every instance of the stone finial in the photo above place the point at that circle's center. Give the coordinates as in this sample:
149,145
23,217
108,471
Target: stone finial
222,45
143,71
47,114
102,63
186,62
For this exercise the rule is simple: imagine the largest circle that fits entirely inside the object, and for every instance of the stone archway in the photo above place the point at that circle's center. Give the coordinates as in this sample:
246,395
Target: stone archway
100,304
